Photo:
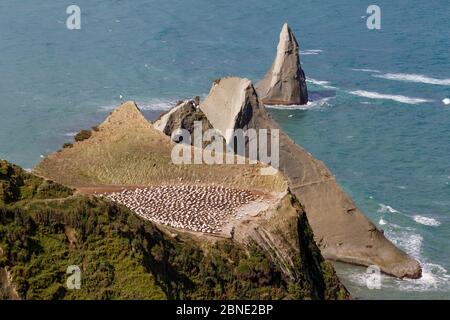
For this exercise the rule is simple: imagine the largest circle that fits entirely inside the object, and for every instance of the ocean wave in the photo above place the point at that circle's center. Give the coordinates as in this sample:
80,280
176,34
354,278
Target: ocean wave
149,105
426,221
310,105
322,83
157,105
446,101
409,241
434,276
411,77
384,208
367,70
310,52
398,98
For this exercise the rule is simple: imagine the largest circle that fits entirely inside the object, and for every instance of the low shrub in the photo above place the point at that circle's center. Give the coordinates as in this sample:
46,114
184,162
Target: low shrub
67,145
83,135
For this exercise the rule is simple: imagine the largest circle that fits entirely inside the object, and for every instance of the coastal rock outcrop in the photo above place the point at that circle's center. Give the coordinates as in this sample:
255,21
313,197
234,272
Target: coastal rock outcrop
231,104
284,83
182,116
125,153
341,230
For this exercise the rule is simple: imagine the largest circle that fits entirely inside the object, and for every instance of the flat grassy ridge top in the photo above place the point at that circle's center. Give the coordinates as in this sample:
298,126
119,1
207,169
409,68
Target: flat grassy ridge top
127,150
122,256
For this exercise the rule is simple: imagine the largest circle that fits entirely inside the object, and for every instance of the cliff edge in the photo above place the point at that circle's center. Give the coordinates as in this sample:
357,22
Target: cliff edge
341,230
251,254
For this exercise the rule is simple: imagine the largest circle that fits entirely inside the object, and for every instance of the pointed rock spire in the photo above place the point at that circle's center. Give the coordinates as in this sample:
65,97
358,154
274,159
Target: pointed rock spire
285,82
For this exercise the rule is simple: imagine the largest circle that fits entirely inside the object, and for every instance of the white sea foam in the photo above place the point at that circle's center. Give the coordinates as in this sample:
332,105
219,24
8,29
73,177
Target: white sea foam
310,52
411,242
426,221
310,105
149,105
322,83
157,105
446,101
386,208
70,134
398,98
434,276
318,82
411,77
367,70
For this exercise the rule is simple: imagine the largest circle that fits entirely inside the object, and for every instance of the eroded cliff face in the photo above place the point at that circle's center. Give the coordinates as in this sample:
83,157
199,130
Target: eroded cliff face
341,230
285,82
182,116
285,234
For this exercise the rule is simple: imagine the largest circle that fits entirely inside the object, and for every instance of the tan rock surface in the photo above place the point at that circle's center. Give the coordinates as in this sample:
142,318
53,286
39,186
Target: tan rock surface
284,83
341,230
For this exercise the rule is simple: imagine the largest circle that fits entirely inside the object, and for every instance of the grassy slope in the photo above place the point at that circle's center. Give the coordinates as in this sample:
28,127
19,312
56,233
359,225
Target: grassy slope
16,184
124,257
128,150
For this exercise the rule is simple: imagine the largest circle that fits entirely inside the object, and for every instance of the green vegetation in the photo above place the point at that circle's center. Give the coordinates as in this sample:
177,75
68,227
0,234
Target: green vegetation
83,135
16,185
122,256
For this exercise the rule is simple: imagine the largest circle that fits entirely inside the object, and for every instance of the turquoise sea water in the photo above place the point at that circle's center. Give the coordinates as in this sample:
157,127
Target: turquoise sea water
377,118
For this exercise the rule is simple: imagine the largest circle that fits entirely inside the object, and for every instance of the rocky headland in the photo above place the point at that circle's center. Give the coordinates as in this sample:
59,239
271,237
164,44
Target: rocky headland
141,226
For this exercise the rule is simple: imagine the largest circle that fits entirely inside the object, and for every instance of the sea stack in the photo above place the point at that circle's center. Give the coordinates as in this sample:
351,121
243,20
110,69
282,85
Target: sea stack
284,83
